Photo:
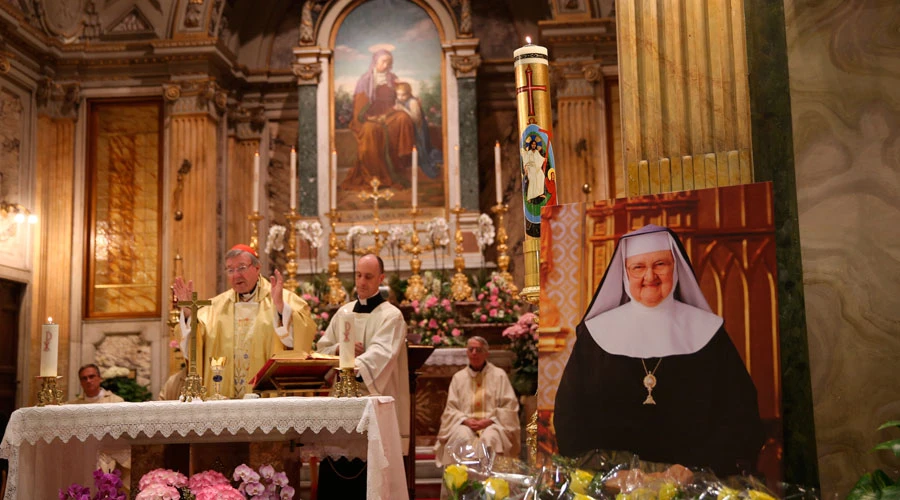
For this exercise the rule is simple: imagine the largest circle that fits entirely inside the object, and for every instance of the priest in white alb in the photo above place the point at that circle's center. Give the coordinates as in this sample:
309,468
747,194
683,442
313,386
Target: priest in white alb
481,408
377,332
247,324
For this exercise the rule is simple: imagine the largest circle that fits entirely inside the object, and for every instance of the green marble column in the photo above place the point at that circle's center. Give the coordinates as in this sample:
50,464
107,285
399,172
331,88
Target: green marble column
468,144
773,160
307,157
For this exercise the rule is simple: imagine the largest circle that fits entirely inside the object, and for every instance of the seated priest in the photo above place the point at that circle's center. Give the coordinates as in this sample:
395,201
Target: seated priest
653,370
481,408
247,324
109,458
378,333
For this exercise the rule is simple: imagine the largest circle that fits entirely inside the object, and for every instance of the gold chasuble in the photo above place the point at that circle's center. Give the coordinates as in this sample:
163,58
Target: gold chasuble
244,332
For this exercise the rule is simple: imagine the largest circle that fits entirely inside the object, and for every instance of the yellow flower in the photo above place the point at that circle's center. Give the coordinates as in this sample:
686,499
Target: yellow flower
455,475
581,479
498,488
579,496
728,494
759,495
668,491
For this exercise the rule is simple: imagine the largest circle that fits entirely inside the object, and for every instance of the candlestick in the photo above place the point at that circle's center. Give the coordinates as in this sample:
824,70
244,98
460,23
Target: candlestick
49,348
293,178
333,180
415,177
347,354
256,182
497,171
532,72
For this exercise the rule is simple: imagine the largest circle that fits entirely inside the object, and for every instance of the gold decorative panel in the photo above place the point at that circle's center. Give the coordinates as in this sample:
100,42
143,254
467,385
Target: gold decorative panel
124,214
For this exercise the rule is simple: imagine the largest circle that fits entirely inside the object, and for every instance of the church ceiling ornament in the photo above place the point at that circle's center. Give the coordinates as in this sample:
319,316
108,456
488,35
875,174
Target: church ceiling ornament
131,24
62,18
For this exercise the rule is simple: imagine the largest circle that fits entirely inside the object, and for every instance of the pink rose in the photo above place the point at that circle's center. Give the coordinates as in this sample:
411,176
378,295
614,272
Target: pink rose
431,301
436,339
432,324
483,318
456,332
446,303
324,316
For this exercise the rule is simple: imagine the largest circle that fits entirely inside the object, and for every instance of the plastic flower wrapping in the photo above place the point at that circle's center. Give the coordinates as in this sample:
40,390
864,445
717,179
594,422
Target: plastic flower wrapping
599,475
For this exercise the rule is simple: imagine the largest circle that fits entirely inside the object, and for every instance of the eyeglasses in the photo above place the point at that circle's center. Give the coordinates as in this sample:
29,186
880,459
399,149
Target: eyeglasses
474,349
239,270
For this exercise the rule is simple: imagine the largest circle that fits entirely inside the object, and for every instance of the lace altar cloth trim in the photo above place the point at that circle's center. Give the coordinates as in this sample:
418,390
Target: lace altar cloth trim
28,426
167,417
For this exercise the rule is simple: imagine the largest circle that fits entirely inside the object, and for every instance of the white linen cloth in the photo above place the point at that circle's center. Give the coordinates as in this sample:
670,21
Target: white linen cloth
37,438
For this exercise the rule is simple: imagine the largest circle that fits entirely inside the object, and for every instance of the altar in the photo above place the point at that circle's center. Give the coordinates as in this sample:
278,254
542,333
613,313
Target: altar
51,447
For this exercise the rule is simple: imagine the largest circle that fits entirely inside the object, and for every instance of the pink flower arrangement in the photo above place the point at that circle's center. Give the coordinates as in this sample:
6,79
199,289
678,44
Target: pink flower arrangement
523,340
164,484
496,305
432,323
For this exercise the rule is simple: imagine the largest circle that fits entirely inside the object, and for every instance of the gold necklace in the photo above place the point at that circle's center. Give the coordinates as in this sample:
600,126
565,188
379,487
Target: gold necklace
650,381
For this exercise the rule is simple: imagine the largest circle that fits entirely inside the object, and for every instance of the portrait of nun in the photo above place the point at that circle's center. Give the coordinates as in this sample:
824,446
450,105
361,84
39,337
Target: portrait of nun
653,370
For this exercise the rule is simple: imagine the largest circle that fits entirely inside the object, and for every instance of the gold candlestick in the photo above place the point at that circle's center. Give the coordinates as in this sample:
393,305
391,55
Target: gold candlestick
49,394
193,385
459,285
502,258
415,289
336,293
347,386
291,267
254,219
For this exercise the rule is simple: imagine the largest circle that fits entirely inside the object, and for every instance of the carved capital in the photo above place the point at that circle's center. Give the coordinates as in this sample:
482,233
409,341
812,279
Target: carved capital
171,92
58,99
465,66
592,72
307,73
5,65
247,122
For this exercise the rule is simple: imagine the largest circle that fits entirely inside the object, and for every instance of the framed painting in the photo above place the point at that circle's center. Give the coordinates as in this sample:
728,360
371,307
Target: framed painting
388,108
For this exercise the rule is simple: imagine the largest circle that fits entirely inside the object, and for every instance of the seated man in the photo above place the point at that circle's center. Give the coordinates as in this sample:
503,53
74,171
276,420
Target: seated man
481,408
91,392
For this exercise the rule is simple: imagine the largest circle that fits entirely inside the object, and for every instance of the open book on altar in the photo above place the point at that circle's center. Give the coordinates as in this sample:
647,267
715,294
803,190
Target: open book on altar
294,371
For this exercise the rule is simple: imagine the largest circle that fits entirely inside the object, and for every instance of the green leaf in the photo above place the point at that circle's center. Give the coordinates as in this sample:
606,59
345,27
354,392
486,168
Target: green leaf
891,493
889,423
865,489
881,480
892,445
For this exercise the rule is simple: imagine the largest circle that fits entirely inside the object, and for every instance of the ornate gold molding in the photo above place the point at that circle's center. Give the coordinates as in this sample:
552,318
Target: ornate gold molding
307,73
202,93
58,99
593,72
465,66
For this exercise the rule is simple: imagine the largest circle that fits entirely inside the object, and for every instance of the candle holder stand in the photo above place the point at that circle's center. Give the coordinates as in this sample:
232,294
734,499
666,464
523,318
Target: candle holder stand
254,219
49,394
459,285
415,289
193,390
290,283
347,386
336,294
502,257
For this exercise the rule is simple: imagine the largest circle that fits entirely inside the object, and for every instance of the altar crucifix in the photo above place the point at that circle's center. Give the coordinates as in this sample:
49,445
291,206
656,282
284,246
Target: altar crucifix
193,384
375,195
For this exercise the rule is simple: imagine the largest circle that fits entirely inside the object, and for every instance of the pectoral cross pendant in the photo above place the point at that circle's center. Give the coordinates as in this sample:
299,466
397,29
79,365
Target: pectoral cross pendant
649,383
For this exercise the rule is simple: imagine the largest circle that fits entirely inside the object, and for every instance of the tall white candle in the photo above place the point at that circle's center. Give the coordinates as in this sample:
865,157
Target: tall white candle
497,171
333,179
293,178
49,348
454,200
415,177
256,182
347,352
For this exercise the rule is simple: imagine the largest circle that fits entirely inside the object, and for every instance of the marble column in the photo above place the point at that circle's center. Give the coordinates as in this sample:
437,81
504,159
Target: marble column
685,99
466,68
194,108
307,70
55,192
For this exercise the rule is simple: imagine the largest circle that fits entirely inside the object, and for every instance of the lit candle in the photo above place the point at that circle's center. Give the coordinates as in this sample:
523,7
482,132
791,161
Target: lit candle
333,180
49,348
293,179
256,182
497,171
415,177
347,352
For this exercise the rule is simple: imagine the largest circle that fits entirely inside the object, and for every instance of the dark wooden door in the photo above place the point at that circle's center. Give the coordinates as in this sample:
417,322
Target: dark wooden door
10,305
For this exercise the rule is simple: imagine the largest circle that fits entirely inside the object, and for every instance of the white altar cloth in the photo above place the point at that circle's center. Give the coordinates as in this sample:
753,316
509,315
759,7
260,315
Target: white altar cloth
43,456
